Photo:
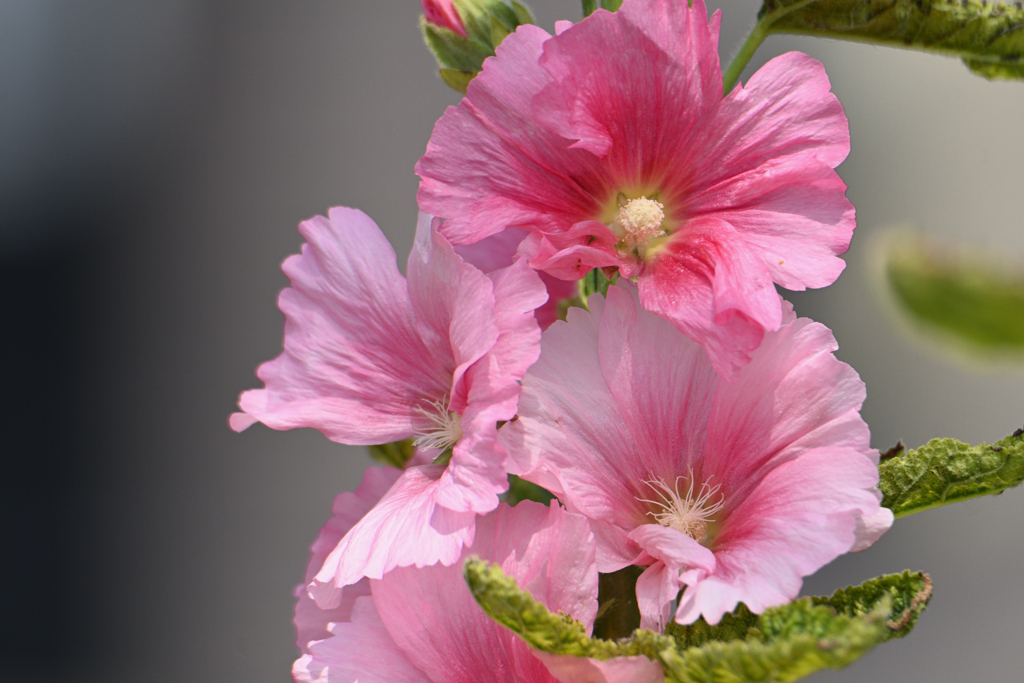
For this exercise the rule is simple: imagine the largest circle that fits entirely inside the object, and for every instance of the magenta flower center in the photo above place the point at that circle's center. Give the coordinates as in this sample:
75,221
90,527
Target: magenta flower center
689,512
444,429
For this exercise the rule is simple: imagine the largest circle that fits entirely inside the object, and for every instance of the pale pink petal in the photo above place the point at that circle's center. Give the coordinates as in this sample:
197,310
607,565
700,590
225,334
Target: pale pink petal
360,651
434,619
454,306
353,361
794,396
570,669
656,588
802,515
310,620
399,531
870,528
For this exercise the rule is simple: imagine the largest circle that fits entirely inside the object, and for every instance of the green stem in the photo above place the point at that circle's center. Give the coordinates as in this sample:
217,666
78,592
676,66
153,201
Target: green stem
757,35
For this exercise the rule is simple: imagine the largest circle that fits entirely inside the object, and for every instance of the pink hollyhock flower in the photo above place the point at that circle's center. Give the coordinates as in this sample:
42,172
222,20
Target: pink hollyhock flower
731,490
370,358
423,625
612,143
443,13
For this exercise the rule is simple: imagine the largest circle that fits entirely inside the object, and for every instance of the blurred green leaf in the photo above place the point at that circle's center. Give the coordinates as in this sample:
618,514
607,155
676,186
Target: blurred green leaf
946,471
969,299
783,644
520,490
395,454
988,36
591,6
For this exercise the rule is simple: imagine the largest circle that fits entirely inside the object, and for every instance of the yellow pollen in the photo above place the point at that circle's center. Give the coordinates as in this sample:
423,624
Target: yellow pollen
446,429
641,219
687,512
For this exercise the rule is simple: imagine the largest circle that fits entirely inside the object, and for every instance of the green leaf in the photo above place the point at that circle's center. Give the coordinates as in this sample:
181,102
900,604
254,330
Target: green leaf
988,36
945,471
520,490
453,51
783,644
395,454
591,6
909,592
968,299
523,13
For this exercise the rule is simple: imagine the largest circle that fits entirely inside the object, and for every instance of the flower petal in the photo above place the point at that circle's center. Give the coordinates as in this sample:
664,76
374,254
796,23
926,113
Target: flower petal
353,361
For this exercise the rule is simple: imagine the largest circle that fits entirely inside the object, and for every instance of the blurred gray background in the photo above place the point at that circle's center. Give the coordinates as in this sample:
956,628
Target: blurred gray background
155,158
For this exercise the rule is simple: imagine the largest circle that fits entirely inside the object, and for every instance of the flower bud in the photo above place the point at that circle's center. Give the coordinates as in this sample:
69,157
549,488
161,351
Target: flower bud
443,13
463,33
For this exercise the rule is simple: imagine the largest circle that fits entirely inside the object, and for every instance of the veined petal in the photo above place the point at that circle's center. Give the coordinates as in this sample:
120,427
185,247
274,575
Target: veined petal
354,364
311,622
399,531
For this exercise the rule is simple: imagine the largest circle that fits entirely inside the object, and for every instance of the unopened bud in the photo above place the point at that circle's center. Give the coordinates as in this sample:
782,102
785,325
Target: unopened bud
463,33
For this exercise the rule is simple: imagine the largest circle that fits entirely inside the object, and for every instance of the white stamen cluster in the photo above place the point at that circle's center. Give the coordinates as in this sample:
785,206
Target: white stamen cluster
641,219
688,513
446,429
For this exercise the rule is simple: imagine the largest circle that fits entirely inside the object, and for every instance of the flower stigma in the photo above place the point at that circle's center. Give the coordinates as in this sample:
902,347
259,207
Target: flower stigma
640,220
688,513
445,430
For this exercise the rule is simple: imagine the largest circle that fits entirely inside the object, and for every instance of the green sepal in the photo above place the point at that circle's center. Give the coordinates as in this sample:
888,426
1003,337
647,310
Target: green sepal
945,471
453,51
595,282
977,31
783,644
457,80
523,13
971,300
395,454
499,31
520,490
479,16
591,6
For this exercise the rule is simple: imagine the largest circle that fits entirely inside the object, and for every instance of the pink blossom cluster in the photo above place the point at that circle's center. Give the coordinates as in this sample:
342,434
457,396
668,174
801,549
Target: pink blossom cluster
688,422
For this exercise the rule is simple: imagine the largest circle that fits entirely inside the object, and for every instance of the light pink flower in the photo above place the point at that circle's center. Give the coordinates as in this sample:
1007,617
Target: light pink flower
423,625
311,622
612,144
443,13
733,490
370,358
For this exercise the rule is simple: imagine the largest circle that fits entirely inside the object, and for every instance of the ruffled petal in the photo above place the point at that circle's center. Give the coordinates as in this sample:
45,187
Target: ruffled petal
310,621
406,527
488,167
802,515
361,651
354,364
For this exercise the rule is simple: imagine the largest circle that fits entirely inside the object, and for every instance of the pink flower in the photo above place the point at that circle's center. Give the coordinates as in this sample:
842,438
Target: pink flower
422,625
443,13
370,358
612,144
733,490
